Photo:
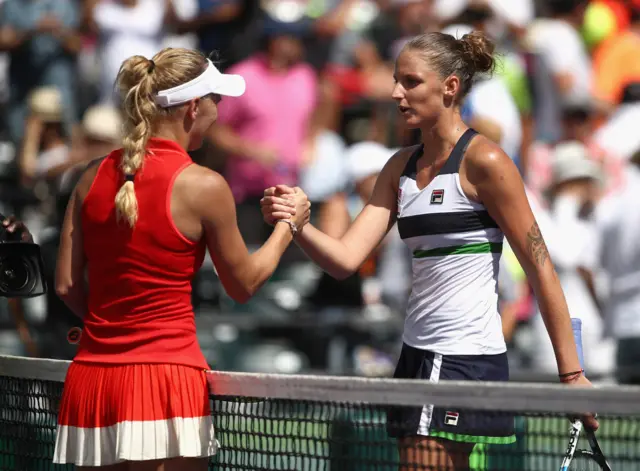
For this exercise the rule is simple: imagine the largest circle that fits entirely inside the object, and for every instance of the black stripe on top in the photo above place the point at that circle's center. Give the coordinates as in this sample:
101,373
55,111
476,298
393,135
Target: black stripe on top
411,168
444,223
452,165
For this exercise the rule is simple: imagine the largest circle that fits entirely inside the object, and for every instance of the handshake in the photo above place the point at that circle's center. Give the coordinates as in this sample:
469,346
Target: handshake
283,203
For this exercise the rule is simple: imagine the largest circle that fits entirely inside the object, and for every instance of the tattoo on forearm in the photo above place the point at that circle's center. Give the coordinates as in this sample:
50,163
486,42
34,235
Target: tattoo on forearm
536,245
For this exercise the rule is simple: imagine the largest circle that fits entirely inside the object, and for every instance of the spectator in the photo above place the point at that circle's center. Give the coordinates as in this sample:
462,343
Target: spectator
44,148
575,177
557,39
617,253
124,28
43,155
42,40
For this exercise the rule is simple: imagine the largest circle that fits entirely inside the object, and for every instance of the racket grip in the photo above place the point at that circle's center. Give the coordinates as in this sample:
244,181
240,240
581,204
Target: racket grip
576,325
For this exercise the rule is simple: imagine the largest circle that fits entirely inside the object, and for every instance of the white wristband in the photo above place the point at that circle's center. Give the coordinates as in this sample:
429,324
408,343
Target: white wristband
292,226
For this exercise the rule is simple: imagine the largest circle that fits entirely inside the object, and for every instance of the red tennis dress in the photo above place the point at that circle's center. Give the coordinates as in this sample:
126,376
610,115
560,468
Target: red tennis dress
136,389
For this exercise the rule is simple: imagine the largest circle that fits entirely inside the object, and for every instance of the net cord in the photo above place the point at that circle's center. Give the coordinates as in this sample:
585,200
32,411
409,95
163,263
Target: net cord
512,396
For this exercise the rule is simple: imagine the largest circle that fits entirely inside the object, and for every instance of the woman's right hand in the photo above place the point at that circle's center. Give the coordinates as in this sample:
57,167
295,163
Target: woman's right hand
283,202
302,206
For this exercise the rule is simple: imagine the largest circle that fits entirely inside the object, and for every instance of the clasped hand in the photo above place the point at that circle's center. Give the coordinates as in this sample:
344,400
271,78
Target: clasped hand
282,202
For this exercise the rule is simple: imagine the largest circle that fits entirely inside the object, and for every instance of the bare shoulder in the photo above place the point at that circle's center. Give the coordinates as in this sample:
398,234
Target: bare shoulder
85,176
201,177
397,163
200,187
485,160
401,157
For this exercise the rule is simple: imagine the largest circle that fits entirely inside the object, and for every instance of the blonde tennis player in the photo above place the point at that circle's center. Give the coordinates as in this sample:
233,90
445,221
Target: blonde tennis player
138,224
454,198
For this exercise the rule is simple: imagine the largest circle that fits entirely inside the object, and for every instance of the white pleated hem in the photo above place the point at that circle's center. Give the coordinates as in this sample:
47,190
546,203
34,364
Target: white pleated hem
191,437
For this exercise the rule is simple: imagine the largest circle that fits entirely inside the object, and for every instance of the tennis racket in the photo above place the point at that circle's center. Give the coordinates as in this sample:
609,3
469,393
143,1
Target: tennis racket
583,460
578,459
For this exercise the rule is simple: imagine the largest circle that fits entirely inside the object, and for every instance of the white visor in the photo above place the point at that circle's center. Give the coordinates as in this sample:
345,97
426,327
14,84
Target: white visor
210,81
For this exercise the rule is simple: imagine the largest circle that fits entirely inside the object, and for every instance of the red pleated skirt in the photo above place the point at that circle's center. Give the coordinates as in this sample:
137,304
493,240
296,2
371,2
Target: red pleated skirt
114,413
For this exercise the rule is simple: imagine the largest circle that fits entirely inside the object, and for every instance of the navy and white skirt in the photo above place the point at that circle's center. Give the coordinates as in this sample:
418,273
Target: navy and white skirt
449,422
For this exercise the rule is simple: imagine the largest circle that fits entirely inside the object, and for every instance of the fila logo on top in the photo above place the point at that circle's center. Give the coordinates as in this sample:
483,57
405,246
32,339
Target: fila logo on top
437,196
451,418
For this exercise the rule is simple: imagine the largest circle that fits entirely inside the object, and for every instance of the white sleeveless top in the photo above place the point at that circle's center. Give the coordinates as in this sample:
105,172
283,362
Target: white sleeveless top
456,246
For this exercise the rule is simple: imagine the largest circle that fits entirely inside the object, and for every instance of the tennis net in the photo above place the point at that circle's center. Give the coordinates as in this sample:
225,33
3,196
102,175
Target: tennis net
316,423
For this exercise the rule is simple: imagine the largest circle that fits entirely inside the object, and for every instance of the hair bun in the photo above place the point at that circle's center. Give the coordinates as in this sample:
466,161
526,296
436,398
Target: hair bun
478,51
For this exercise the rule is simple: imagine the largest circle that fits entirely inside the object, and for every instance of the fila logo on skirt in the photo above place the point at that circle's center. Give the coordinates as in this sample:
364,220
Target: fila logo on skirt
437,196
451,418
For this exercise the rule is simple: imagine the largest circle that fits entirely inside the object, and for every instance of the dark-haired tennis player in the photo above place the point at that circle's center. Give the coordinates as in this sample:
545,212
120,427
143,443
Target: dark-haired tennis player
454,198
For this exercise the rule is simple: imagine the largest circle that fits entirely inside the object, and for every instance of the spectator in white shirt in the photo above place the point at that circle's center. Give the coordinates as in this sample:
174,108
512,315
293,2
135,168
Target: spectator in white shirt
617,253
570,234
125,28
558,40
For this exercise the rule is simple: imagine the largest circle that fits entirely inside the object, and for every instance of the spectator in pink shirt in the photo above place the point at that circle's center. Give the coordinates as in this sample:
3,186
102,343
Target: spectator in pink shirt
266,134
266,131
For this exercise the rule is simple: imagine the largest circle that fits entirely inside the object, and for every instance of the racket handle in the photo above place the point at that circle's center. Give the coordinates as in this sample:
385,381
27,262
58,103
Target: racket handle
576,325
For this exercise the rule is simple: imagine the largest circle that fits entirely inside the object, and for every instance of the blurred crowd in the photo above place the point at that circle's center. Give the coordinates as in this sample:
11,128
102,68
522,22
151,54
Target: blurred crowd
564,103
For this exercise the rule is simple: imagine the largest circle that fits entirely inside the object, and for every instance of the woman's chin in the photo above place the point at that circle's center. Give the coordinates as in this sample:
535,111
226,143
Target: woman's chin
412,122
